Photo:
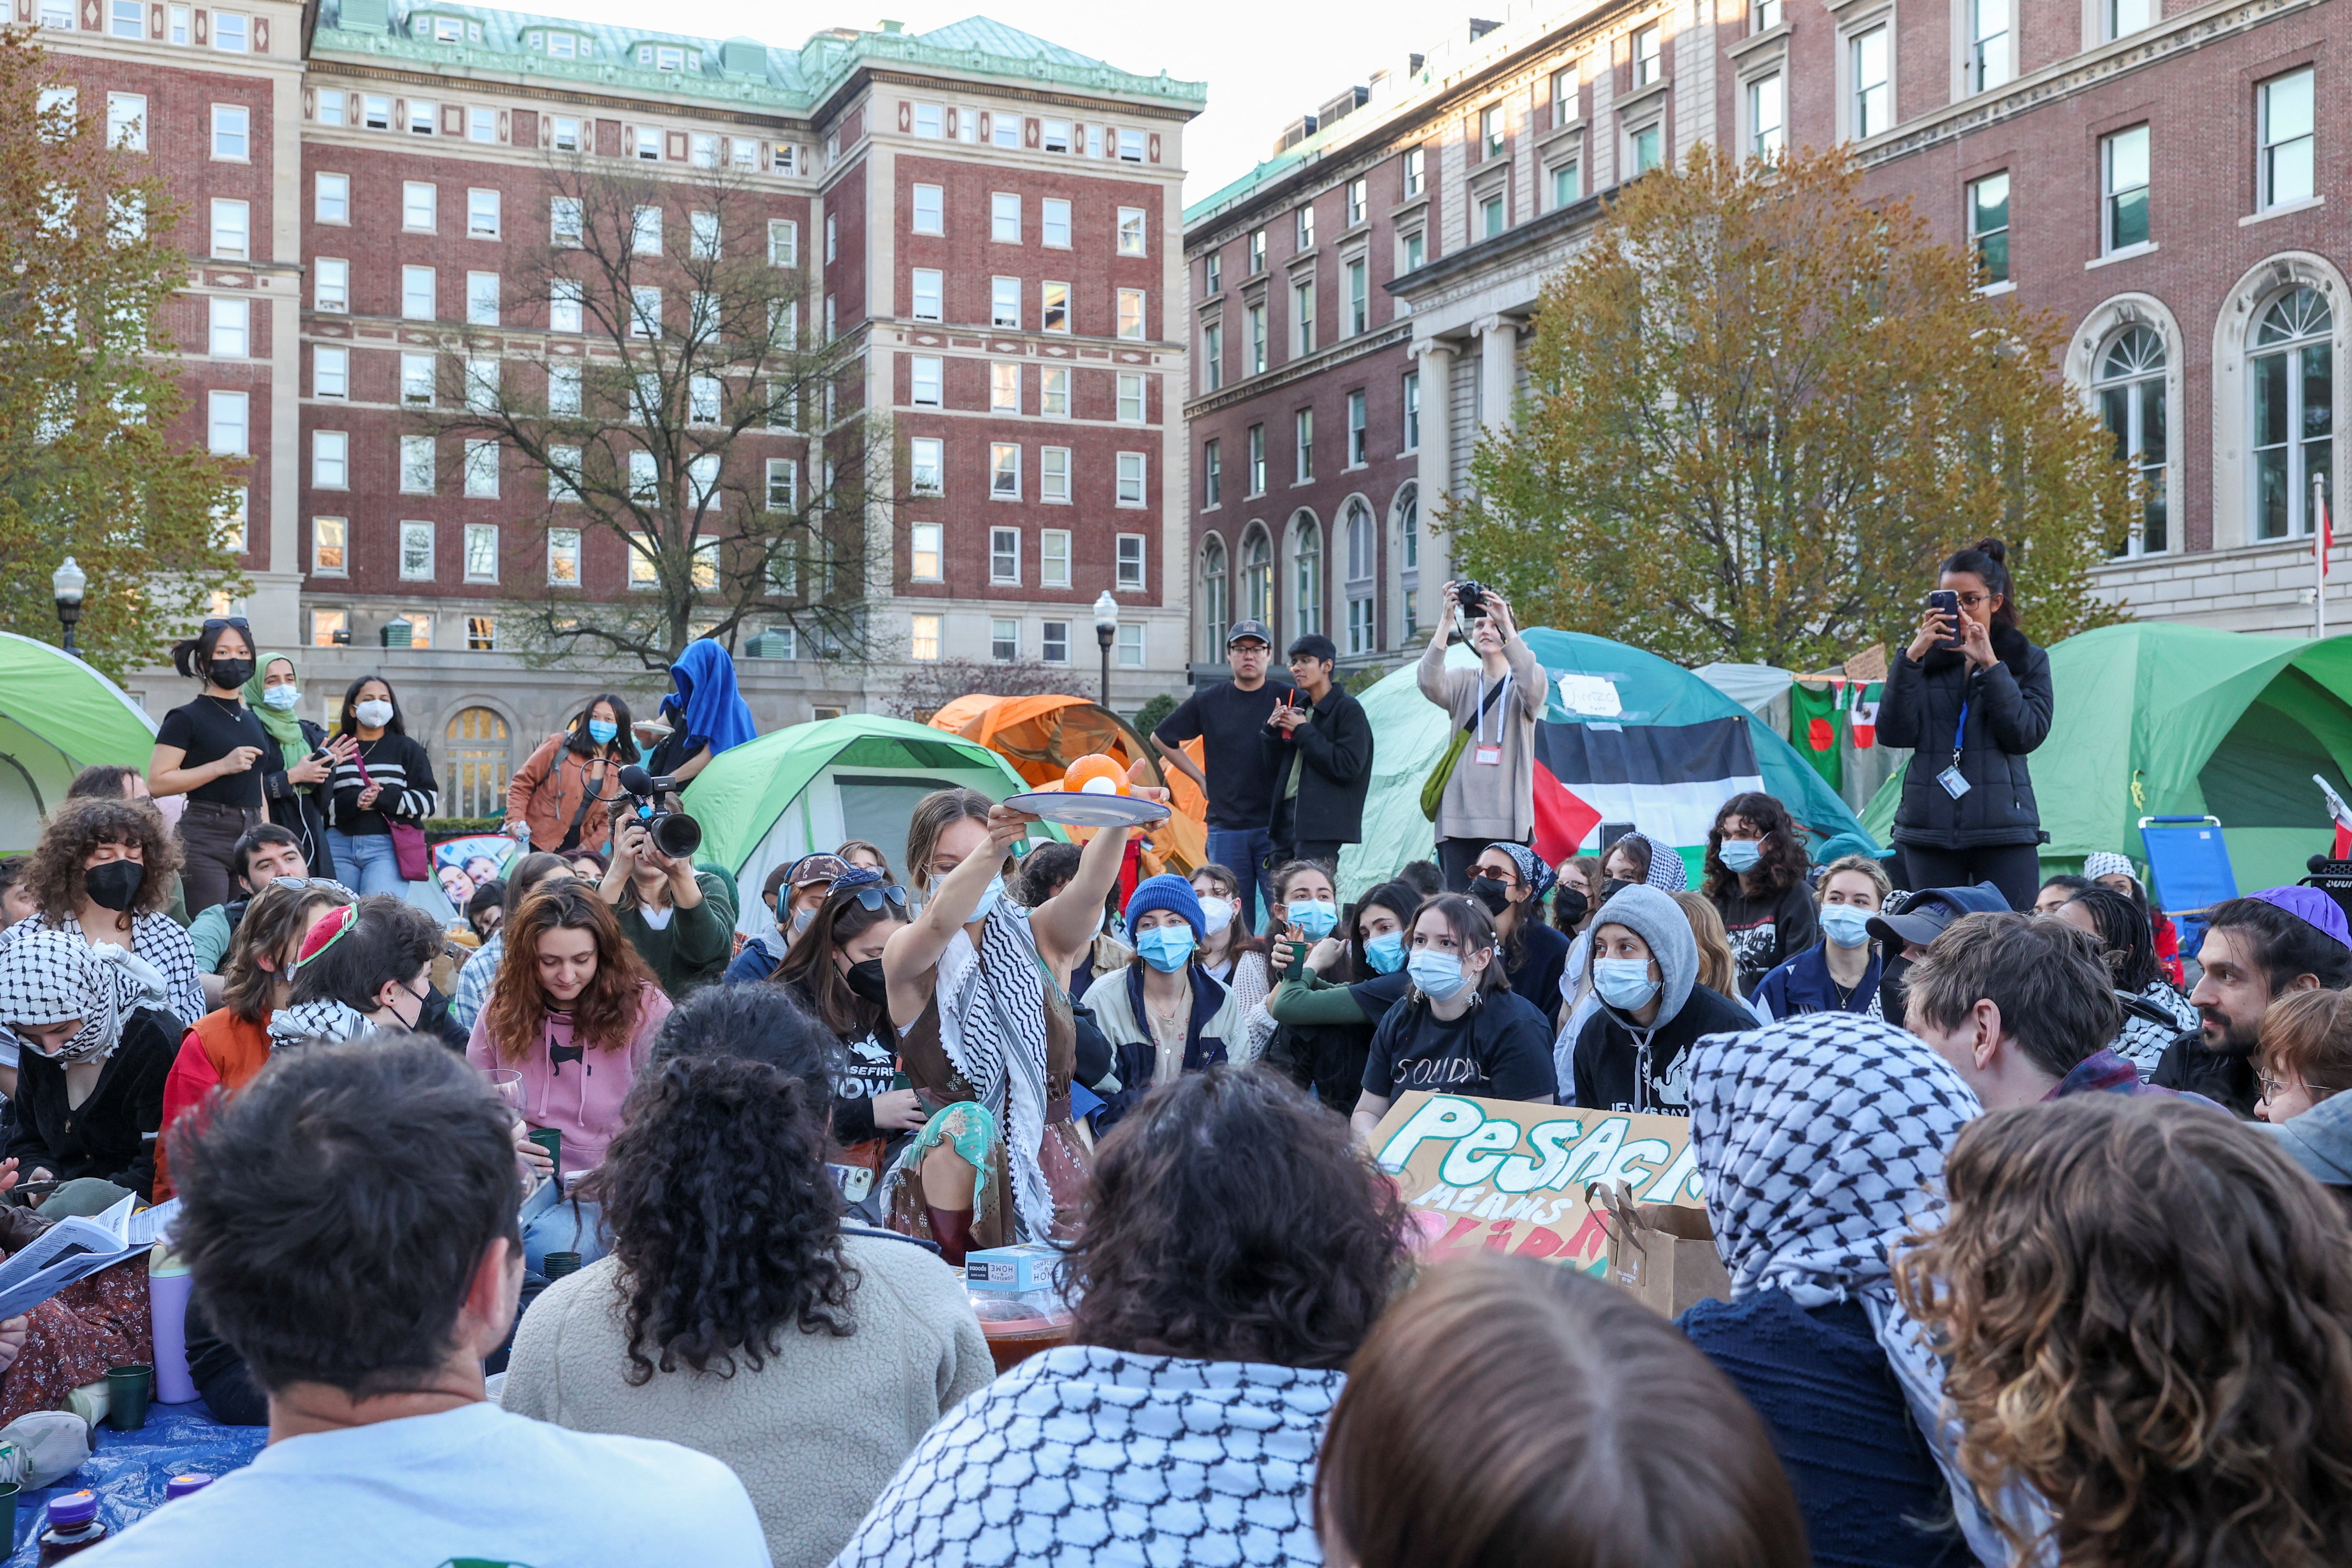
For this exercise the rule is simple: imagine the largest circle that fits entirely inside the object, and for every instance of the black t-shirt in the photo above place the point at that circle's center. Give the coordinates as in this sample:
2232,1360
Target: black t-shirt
209,729
1768,932
862,1070
1499,1049
1228,722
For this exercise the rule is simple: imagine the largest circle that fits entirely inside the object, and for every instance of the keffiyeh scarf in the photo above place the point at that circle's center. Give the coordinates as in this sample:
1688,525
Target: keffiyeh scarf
992,1026
157,940
324,1019
1666,873
47,977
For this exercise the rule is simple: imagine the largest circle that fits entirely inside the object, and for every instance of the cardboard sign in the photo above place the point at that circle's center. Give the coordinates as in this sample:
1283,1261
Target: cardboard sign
1510,1174
1662,1255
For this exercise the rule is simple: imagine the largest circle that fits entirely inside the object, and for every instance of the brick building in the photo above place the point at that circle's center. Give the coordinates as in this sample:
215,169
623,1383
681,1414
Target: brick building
2155,176
989,224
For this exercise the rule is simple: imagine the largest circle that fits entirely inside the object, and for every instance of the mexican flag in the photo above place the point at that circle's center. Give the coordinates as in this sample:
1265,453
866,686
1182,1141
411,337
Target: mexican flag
1668,780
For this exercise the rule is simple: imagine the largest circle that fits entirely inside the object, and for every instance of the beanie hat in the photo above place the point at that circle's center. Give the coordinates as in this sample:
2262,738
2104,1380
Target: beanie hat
1167,891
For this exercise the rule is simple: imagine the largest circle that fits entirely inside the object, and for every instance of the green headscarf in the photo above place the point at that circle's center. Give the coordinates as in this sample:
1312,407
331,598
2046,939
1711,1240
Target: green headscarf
283,726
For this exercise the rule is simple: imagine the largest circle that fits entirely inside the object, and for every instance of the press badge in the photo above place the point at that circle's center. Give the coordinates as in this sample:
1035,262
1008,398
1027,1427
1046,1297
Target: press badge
1487,756
1954,784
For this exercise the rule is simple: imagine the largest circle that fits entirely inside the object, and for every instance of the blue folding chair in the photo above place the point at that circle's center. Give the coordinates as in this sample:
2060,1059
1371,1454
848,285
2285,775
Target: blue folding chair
2188,862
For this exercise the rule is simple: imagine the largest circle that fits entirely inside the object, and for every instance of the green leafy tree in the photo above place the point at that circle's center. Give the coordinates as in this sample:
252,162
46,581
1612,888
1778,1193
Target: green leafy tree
1761,408
90,388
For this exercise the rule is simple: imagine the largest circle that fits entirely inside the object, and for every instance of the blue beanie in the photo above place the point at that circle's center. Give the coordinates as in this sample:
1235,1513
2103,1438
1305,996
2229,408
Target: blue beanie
1166,892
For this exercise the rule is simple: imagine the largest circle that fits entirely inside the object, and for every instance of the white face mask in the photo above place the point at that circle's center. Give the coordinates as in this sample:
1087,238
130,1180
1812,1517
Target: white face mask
1216,914
278,697
376,715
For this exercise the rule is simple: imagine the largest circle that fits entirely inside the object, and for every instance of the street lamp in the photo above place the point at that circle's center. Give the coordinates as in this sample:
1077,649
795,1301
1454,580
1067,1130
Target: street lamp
1106,633
67,583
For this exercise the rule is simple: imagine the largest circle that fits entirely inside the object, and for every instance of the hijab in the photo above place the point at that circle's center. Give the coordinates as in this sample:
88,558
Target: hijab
283,726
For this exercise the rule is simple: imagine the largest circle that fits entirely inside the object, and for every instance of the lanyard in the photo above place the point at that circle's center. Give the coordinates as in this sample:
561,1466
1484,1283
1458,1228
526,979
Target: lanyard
1959,729
1503,692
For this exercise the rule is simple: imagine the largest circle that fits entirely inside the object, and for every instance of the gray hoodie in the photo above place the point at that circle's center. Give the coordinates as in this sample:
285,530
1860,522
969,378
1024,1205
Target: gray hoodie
1657,919
1618,1065
2320,1140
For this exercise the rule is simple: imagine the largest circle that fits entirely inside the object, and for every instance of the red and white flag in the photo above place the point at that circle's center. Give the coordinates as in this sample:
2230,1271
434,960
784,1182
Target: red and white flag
2342,815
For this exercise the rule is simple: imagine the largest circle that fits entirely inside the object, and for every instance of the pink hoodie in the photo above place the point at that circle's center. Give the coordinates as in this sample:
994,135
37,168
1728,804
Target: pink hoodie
580,1099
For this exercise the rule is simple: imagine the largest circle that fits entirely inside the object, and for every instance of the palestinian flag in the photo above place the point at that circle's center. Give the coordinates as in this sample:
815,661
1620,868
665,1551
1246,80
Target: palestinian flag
1668,780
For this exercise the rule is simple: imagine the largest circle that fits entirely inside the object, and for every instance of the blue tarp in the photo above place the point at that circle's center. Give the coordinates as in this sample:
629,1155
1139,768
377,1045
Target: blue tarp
130,1469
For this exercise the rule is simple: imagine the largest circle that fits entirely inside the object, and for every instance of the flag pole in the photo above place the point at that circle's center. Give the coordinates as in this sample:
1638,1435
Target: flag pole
2319,554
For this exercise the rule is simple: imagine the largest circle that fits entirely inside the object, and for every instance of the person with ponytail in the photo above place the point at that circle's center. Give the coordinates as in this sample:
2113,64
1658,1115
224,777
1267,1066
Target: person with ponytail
213,750
1971,696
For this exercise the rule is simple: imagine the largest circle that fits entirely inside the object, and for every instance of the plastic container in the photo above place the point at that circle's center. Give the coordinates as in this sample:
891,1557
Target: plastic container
73,1526
168,1285
181,1486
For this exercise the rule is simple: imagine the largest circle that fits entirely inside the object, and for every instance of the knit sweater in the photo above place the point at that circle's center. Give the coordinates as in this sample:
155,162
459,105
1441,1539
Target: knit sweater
692,949
816,1433
1481,800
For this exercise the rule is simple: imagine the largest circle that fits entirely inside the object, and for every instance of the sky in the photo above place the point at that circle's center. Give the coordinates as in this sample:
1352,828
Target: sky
1264,67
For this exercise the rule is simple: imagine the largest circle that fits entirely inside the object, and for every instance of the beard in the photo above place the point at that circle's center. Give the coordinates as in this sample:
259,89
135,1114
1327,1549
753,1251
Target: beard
2225,1038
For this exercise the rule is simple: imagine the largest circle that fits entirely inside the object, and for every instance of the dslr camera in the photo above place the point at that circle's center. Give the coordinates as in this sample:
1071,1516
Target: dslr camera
1472,597
673,833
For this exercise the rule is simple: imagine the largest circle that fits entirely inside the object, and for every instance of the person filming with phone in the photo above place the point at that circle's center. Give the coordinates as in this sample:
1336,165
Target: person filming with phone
1321,744
1488,792
1971,696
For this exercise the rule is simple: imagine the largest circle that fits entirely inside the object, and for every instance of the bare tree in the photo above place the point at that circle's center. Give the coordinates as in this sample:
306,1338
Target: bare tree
684,402
933,684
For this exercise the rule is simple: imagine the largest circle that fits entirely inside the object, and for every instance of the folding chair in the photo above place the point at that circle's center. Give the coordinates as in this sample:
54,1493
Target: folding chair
2189,864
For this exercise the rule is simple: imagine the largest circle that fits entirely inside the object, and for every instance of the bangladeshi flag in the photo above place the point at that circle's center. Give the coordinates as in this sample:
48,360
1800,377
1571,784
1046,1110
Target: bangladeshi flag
1668,780
1816,715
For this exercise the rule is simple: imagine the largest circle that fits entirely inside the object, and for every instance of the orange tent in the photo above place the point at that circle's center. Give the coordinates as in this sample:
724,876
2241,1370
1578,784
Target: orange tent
1041,736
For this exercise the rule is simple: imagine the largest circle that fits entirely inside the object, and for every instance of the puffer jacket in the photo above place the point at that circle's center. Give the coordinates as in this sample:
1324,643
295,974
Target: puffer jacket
2009,709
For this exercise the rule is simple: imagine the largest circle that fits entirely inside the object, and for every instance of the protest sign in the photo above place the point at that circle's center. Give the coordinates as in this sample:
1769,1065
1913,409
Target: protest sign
1509,1175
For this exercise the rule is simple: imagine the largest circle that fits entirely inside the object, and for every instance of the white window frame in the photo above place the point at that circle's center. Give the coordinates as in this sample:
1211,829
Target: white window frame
330,285
927,213
926,455
1004,557
331,371
339,528
1053,476
335,208
477,535
1004,214
925,638
419,285
417,551
1764,101
420,207
419,466
927,545
1054,390
232,228
232,130
330,460
1004,470
926,381
1054,558
484,213
1134,313
562,550
1054,222
481,299
2116,150
2274,154
229,424
1133,397
928,294
784,242
1004,386
229,326
1132,235
1855,122
1131,479
1131,562
1001,292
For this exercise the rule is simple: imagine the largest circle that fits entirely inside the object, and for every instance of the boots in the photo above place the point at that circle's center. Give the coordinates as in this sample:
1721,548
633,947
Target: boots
951,1229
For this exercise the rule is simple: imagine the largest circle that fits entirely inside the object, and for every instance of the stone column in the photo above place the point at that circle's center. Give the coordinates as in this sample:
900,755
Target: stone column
1436,478
1498,370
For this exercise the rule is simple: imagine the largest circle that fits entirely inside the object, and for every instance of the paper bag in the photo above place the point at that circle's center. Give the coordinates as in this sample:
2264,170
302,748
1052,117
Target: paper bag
1661,1253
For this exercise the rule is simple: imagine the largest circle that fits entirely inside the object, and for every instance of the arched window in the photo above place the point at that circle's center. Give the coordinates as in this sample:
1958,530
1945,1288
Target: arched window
1307,576
1363,556
1408,557
1214,606
481,756
1258,575
2131,399
2294,410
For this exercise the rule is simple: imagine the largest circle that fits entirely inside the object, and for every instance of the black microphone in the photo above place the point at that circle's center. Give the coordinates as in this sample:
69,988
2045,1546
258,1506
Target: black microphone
637,780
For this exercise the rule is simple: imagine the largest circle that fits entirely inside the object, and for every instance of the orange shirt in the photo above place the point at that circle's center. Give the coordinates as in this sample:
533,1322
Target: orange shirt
222,1050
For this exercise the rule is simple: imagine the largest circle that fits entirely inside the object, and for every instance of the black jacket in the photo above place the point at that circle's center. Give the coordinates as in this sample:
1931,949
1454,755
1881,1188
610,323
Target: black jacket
112,1133
1328,1059
1607,1053
301,809
2009,709
2227,1081
1335,747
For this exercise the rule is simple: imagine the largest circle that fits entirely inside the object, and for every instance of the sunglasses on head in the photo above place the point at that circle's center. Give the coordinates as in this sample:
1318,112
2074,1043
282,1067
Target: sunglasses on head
215,623
872,895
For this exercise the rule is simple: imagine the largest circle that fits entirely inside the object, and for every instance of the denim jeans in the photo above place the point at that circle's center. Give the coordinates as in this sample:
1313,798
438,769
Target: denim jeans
551,1223
365,863
1243,851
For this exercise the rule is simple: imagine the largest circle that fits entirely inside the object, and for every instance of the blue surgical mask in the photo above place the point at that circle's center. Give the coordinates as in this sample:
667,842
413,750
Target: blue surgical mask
1623,983
1385,952
1318,918
1166,948
279,697
1439,975
1848,925
1740,855
601,730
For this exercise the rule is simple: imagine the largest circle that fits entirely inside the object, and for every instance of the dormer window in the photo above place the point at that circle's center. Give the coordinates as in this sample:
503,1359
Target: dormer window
668,58
448,29
561,45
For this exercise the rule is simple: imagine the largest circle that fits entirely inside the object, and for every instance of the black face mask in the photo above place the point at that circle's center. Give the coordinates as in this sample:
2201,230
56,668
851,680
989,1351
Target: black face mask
114,884
1612,887
1568,905
228,673
1491,892
867,983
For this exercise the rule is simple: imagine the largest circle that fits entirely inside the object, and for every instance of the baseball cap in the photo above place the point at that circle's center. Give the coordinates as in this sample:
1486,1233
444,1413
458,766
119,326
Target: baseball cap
826,869
1929,910
1240,630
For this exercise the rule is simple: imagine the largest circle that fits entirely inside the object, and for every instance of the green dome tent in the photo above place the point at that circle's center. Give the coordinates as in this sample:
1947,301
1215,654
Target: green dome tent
58,716
811,786
2153,720
1626,737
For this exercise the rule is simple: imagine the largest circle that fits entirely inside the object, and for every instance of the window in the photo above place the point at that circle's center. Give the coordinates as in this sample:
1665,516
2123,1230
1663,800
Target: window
482,298
417,293
1766,117
1004,388
331,371
1213,356
330,460
564,390
645,231
1131,231
1765,15
1004,130
481,787
1004,218
563,557
2125,17
1057,135
1131,479
1302,317
783,243
1413,171
927,305
645,574
1054,390
330,104
1258,460
1646,57
649,144
1256,251
417,466
1130,146
1004,302
230,32
331,201
2286,133
1872,81
1055,299
481,125
645,313
482,214
1303,437
566,305
329,539
224,425
2295,407
926,466
1054,474
1646,150
1361,635
1003,639
331,284
1413,411
479,387
783,490
562,481
1256,319
1304,220
563,221
1415,250
376,112
1215,606
702,399
482,548
416,380
1354,200
423,119
126,121
931,210
703,235
2131,391
127,19
1212,474
1307,577
1358,276
416,551
419,205
1054,558
1054,222
1490,208
1989,44
1004,555
178,29
644,478
926,560
232,134
1130,397
56,13
1053,642
928,121
232,224
2123,160
1003,470
1567,184
230,323
1989,228
567,133
1130,561
923,643
1358,435
924,374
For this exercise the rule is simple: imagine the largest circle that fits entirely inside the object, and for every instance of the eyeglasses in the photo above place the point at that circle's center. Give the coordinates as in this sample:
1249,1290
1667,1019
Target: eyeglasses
871,898
2272,1088
1970,601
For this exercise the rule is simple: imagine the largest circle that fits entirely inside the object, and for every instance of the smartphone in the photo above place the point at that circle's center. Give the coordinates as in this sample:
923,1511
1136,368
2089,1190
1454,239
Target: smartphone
1298,946
1610,833
1949,603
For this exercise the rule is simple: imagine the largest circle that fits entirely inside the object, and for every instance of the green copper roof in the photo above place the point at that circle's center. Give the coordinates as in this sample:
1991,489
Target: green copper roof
731,70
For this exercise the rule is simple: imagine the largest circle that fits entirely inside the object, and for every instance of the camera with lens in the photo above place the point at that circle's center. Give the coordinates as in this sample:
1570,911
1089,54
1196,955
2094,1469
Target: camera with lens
673,833
1472,597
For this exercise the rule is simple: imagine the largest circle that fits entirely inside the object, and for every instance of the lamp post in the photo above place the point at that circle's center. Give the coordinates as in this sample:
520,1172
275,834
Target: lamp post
67,583
1106,633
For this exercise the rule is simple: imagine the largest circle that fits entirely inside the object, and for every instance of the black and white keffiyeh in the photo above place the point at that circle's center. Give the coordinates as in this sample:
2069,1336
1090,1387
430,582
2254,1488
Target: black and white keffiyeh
323,1019
1089,1457
48,977
992,1026
157,940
